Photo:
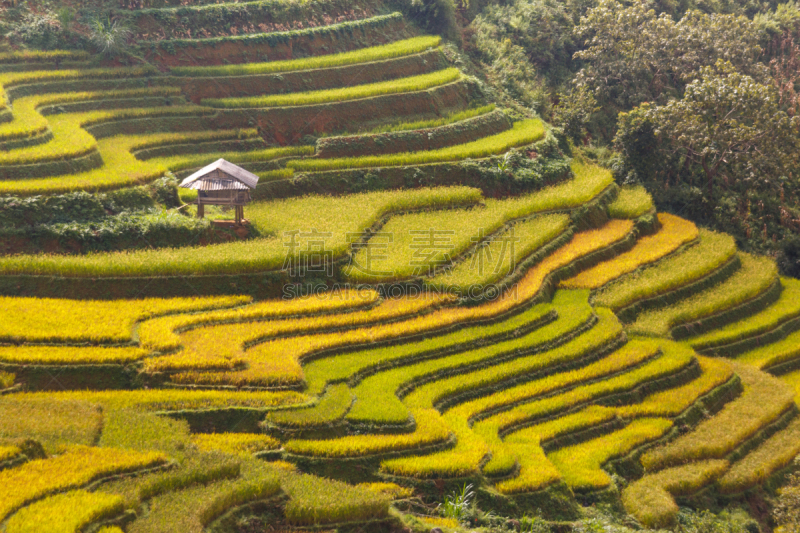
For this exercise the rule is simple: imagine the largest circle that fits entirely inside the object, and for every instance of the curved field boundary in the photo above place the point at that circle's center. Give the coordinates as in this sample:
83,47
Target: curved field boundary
651,499
29,111
630,313
522,133
340,94
77,467
674,233
414,141
405,47
772,324
198,89
765,406
276,46
690,269
758,466
748,308
288,125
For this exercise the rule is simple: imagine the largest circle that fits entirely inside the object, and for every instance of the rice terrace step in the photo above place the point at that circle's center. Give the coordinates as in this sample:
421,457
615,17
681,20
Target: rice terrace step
432,307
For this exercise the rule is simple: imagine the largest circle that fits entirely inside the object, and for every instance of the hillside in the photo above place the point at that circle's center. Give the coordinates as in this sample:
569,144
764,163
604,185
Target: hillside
432,291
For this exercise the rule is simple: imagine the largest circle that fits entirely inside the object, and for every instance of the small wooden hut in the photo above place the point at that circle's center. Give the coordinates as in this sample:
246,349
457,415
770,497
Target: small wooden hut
222,183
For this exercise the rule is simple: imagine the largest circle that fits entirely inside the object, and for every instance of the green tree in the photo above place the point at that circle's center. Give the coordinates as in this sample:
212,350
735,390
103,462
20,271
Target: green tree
728,128
633,55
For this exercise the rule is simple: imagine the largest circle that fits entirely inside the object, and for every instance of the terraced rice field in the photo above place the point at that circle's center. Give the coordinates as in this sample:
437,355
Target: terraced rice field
541,345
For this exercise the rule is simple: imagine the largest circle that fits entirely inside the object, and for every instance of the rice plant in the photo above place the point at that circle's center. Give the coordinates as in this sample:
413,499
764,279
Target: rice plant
581,464
449,118
674,232
78,466
400,48
786,308
713,251
651,499
430,430
235,443
70,511
159,334
632,202
94,321
754,277
69,355
339,217
773,455
420,82
522,133
763,401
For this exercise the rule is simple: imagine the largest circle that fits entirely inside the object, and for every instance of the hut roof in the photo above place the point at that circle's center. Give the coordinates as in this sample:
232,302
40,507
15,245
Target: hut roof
220,175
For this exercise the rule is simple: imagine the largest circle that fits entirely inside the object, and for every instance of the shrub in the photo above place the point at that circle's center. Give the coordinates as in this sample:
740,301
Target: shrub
648,249
6,380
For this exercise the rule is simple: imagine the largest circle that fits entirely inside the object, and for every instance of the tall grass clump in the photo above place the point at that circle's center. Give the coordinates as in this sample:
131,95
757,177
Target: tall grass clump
522,133
401,48
713,250
403,85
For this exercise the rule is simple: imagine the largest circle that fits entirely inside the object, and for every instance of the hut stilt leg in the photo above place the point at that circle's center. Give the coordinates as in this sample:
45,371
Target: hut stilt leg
201,211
